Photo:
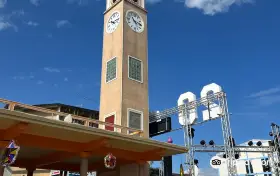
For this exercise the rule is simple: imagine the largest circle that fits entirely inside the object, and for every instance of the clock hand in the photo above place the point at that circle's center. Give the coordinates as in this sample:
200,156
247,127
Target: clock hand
136,22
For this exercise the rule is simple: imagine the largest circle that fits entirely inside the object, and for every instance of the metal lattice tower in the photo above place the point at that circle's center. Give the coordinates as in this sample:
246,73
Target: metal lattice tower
189,143
219,97
250,149
275,155
161,168
227,134
221,148
270,150
219,100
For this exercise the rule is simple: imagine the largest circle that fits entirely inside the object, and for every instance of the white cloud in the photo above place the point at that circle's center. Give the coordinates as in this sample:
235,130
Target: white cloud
40,82
32,23
79,2
65,79
62,23
269,100
251,114
254,114
49,36
18,77
5,25
3,3
18,13
51,70
211,7
80,86
265,92
153,1
266,97
6,19
80,105
35,2
30,77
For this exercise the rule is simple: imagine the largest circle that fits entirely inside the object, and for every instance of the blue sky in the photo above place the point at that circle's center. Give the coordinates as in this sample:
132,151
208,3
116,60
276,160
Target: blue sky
51,52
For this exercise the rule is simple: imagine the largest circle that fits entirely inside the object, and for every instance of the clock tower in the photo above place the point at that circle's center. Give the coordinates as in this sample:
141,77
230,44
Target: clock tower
124,78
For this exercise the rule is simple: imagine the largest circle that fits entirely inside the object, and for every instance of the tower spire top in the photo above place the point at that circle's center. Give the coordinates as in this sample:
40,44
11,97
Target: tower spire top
110,3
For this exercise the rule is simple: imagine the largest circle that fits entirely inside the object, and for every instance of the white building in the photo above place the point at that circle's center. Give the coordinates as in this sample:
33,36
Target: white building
249,164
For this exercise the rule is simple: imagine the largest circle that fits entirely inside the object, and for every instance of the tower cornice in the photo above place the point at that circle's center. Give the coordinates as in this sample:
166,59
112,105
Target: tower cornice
129,1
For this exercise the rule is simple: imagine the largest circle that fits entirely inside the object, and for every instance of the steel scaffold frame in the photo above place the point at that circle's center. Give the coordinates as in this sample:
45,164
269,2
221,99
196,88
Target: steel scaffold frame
225,123
275,155
272,151
227,134
220,148
227,148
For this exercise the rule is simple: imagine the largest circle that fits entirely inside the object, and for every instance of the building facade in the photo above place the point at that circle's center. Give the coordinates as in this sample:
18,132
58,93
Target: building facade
250,164
69,109
92,114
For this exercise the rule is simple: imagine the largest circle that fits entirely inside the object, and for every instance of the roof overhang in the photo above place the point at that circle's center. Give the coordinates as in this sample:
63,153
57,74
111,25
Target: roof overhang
57,145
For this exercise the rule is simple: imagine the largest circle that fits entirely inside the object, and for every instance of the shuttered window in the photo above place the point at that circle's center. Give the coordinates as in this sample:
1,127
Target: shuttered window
134,120
135,69
111,72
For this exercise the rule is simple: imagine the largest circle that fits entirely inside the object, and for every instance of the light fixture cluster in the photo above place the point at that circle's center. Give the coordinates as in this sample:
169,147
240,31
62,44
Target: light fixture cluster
259,143
212,144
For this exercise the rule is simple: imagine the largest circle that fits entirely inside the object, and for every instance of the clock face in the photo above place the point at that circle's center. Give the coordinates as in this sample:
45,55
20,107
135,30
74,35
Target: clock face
134,21
113,22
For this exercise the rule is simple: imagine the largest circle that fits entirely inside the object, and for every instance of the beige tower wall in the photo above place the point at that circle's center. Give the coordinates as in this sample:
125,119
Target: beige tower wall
135,94
111,93
123,93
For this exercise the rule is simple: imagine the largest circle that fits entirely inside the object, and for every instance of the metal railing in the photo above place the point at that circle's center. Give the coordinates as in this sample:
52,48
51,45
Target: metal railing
86,121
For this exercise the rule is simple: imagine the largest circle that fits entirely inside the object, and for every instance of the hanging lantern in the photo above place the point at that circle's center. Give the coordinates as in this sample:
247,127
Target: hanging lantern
110,161
9,154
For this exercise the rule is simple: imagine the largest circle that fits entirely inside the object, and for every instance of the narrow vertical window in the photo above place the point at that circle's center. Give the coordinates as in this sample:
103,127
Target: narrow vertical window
135,69
111,72
135,119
